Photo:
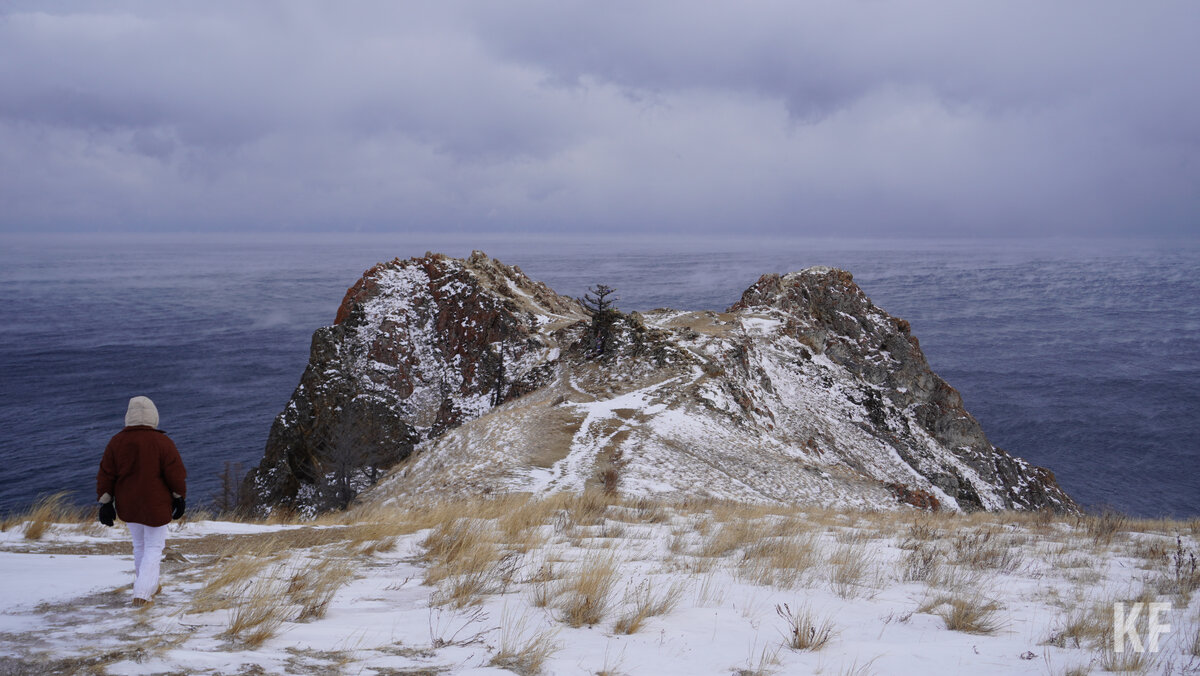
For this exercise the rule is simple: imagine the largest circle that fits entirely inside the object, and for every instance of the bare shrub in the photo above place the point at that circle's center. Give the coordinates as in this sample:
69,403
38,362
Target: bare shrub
584,596
804,630
1181,576
1102,528
647,604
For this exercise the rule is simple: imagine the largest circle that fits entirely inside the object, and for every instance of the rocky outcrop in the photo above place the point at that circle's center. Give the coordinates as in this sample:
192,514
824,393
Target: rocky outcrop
417,348
801,391
826,311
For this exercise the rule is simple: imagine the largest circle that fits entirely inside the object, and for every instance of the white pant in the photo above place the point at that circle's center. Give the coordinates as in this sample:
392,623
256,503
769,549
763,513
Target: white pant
148,543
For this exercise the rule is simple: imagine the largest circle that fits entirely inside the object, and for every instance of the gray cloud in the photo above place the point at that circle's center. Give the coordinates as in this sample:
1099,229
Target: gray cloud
775,117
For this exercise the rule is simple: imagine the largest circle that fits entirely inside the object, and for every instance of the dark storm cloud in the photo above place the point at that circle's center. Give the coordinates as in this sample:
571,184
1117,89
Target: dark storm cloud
780,117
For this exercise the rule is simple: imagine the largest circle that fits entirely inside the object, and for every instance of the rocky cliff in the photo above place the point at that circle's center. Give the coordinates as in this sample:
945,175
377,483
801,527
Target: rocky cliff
801,391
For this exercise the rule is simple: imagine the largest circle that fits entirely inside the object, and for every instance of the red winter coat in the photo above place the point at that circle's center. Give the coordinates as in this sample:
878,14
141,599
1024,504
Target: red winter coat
141,468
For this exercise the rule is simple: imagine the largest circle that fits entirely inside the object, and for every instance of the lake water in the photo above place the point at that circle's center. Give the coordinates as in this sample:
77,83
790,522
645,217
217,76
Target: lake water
1082,357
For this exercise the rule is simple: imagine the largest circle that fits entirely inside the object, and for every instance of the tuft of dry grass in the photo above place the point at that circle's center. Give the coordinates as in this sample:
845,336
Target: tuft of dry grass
732,535
779,561
986,550
582,509
848,565
922,563
1128,661
461,553
1103,528
647,604
584,597
47,511
1082,626
522,651
972,615
804,630
923,529
313,586
259,611
233,567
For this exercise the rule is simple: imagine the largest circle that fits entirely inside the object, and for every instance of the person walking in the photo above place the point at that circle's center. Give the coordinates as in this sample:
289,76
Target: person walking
142,479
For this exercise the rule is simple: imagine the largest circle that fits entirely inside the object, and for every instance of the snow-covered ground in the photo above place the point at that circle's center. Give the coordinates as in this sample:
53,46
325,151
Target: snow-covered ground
556,585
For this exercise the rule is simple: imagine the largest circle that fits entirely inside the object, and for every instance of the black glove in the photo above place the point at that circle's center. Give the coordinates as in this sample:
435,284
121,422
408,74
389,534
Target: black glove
108,512
177,507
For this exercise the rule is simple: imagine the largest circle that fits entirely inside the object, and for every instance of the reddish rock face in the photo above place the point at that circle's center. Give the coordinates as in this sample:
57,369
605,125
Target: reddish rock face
917,497
417,347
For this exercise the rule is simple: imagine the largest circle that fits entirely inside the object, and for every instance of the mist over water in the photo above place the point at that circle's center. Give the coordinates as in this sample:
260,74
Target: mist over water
1081,357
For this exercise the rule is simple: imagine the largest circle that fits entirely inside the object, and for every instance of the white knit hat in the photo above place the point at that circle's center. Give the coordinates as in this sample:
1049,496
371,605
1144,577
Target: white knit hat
141,412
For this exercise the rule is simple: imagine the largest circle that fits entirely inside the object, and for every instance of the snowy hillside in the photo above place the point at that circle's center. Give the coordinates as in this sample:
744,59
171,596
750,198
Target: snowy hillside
583,584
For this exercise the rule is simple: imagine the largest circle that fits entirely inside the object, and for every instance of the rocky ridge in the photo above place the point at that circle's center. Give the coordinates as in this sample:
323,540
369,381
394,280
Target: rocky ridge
476,379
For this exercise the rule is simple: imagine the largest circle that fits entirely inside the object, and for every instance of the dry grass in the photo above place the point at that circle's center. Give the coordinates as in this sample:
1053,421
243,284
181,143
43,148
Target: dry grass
731,536
235,566
522,651
462,554
1181,574
922,563
804,630
584,596
986,550
923,529
646,604
779,562
1192,646
971,615
1103,528
848,568
582,509
313,586
259,611
47,511
1083,626
1128,661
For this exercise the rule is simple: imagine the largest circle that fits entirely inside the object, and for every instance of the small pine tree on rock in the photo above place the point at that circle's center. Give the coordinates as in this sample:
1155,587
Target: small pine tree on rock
601,306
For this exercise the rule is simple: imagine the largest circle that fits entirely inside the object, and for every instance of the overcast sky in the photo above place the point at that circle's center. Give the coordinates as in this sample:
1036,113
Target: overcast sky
932,117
